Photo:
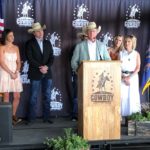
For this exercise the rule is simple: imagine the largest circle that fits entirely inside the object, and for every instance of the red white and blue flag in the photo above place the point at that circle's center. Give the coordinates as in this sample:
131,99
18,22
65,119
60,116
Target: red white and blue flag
1,18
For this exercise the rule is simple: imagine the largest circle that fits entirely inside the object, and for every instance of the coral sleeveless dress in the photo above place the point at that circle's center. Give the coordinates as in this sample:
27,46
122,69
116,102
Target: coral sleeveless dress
6,83
114,56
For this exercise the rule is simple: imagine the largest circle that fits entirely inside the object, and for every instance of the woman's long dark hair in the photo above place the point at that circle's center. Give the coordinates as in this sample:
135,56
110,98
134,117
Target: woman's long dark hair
4,36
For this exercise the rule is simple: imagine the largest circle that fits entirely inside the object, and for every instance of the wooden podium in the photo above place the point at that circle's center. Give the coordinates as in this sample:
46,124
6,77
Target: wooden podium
99,100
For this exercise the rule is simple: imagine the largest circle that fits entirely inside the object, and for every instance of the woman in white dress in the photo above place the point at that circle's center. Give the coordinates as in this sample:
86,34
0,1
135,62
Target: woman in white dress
10,65
130,66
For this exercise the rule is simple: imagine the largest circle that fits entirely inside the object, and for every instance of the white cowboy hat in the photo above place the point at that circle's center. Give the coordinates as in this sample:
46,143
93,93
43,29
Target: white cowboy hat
36,26
90,26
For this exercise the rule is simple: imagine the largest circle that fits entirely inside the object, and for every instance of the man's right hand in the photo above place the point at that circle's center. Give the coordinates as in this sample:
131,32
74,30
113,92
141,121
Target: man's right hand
43,69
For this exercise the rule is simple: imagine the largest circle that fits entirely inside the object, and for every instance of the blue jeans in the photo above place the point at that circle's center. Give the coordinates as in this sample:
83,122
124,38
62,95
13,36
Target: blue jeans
46,97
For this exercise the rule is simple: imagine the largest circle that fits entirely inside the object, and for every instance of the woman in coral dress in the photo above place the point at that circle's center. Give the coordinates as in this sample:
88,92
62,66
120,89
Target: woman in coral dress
9,70
130,58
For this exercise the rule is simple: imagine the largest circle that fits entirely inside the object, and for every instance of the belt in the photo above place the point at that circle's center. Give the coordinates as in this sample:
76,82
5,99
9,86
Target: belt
127,72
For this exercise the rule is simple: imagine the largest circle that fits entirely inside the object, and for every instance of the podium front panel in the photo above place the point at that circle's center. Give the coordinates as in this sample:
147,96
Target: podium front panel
99,86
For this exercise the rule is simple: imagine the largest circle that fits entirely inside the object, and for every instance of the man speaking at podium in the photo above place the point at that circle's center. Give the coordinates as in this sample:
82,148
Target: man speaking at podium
89,49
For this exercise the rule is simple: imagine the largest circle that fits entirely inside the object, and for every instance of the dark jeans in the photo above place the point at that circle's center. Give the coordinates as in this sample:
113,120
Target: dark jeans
46,97
75,95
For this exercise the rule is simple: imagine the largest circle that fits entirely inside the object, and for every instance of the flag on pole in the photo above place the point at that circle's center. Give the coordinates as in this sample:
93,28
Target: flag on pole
146,73
1,18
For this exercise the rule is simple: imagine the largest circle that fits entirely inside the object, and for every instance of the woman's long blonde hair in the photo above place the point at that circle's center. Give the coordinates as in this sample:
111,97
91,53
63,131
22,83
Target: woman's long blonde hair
121,46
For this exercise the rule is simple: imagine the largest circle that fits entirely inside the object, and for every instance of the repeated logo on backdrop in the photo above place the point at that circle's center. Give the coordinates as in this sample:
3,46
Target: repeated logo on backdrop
81,15
55,40
56,99
133,15
106,39
24,74
25,14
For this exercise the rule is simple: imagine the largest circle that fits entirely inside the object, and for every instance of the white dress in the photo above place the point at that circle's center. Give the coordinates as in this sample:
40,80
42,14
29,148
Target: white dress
6,83
130,97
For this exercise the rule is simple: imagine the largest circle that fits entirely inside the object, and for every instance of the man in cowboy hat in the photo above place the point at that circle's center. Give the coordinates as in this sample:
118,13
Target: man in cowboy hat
89,49
40,57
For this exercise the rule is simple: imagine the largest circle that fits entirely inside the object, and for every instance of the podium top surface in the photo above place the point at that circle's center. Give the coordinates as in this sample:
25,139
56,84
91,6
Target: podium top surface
94,61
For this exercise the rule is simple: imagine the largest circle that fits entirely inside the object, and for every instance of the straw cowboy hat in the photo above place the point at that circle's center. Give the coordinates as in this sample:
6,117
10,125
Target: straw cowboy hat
90,26
36,27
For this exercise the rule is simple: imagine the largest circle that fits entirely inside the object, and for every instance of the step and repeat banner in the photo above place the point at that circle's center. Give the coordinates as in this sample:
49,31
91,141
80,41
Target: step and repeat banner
64,19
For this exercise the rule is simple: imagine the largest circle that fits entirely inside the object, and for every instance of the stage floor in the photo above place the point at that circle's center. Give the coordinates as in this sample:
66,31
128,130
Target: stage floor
31,137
